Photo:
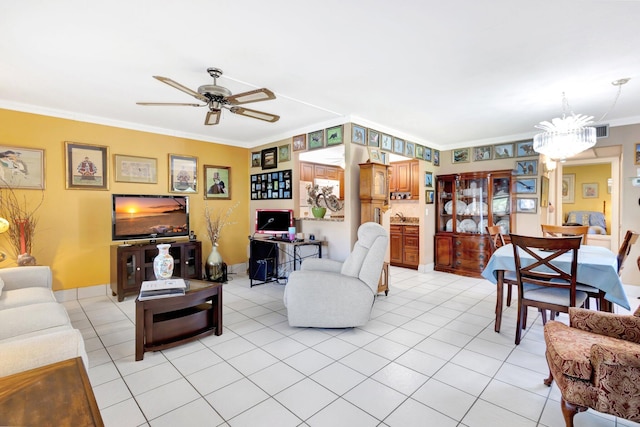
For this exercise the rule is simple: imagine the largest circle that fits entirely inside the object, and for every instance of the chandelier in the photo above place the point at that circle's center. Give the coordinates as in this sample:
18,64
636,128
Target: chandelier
567,136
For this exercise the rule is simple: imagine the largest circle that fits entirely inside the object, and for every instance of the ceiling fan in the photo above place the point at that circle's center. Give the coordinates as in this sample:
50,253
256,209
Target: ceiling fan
217,97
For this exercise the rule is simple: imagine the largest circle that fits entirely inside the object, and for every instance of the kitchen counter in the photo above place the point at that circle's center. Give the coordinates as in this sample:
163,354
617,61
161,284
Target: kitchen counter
407,221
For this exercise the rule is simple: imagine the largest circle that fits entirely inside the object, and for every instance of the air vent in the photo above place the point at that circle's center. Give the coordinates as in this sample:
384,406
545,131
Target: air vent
602,131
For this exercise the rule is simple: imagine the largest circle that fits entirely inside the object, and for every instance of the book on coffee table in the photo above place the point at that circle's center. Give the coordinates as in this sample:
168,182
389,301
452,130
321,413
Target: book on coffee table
152,289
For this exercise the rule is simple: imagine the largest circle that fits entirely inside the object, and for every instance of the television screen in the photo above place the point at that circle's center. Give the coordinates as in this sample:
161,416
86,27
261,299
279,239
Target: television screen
148,217
273,221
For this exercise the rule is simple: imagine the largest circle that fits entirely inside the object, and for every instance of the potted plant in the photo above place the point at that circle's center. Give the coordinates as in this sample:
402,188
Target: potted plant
321,198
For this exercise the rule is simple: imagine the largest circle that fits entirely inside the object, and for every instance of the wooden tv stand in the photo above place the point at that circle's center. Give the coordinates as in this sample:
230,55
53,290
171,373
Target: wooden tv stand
133,264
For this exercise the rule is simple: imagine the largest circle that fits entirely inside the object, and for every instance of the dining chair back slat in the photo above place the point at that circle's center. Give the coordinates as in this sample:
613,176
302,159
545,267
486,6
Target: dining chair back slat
495,233
549,230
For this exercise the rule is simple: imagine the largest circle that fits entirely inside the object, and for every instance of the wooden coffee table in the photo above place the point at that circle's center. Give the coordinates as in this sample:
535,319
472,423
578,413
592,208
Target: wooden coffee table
167,322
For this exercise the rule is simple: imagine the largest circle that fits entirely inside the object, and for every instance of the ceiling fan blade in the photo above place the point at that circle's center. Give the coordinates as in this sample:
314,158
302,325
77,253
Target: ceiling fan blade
171,104
182,88
213,118
251,96
267,117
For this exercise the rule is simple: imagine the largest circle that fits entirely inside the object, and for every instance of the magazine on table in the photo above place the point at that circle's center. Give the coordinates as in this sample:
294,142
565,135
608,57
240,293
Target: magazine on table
152,289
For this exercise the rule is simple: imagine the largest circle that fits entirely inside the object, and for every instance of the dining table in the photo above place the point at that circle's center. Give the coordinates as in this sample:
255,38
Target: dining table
597,267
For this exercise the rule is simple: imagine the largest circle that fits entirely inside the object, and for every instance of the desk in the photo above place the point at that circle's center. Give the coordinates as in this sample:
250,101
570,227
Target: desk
264,259
597,267
59,394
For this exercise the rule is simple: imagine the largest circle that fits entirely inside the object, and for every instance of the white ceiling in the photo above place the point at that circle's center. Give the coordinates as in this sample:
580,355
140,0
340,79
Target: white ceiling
440,73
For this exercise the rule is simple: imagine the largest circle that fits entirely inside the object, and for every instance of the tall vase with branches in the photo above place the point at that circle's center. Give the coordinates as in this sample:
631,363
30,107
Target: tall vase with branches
22,218
216,220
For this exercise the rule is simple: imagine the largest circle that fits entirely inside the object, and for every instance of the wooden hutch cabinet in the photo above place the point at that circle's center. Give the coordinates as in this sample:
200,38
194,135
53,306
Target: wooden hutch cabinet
374,195
466,204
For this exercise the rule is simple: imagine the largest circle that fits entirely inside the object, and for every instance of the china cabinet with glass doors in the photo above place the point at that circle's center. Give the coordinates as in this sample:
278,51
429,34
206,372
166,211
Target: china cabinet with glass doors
466,203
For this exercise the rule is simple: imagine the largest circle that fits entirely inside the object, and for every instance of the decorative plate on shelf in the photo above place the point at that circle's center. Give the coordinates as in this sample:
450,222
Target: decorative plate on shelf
468,226
460,207
474,208
449,226
482,225
504,226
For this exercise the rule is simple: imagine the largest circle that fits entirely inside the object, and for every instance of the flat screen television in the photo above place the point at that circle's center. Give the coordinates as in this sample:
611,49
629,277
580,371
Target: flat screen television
137,216
273,221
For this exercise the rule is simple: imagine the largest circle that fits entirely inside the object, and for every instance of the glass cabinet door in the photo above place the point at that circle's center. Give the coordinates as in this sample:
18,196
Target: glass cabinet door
472,208
444,191
501,203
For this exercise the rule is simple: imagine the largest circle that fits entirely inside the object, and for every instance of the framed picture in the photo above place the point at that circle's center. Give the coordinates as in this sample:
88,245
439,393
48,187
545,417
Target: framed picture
525,149
526,167
503,151
568,188
358,135
335,136
637,154
428,179
529,205
419,154
525,186
590,191
436,156
21,167
183,174
374,138
482,153
271,185
300,142
384,157
141,170
217,182
460,155
316,139
374,155
86,166
255,159
269,158
398,146
544,191
429,196
409,149
386,142
284,153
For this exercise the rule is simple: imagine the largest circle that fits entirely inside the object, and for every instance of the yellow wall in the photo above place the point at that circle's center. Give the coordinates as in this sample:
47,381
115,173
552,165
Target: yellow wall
598,173
73,234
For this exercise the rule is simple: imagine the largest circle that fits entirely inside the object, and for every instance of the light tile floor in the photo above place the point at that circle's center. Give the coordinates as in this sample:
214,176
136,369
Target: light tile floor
428,357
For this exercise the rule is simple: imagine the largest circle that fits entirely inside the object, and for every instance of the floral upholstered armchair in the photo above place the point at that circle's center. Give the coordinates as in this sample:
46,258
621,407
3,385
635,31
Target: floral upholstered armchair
596,363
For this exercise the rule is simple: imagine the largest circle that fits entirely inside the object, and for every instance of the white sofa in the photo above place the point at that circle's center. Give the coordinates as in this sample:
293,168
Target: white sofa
35,330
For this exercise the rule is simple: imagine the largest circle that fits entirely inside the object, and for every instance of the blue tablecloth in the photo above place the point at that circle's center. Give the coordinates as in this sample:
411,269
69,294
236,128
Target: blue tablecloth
597,266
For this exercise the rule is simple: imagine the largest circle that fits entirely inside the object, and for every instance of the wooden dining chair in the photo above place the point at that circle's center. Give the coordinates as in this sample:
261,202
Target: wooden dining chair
630,238
542,284
509,278
549,230
495,233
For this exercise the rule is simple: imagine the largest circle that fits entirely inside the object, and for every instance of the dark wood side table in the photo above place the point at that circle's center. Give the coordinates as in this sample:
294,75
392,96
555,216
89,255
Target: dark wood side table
167,322
59,394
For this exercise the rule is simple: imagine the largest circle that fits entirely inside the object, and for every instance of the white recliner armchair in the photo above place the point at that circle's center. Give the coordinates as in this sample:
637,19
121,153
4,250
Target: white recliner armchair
326,293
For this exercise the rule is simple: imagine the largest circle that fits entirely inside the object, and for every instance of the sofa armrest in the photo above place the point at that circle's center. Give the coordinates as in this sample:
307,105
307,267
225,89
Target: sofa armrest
40,350
624,327
26,277
321,264
616,368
